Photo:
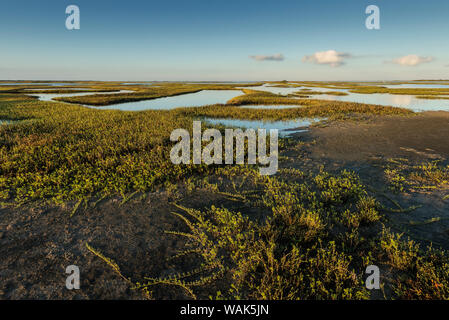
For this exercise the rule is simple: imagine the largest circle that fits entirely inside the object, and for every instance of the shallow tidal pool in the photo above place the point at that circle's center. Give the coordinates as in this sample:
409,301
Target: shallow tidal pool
285,128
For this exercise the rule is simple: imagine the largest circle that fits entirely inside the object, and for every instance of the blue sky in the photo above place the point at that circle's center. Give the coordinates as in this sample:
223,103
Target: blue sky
214,40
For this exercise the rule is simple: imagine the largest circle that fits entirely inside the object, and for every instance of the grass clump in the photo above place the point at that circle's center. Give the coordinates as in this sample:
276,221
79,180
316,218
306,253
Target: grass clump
419,274
404,176
294,252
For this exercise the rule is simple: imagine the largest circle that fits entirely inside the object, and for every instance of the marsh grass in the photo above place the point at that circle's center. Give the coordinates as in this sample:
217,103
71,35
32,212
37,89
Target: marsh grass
312,106
63,152
420,274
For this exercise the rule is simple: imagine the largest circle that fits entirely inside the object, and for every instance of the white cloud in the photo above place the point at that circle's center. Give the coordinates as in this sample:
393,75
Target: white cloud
330,57
274,57
412,60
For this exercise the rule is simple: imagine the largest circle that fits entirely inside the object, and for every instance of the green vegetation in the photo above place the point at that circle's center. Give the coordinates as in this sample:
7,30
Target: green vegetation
405,177
307,108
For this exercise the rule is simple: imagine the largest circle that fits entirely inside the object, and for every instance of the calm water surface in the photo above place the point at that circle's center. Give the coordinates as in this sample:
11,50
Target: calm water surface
285,128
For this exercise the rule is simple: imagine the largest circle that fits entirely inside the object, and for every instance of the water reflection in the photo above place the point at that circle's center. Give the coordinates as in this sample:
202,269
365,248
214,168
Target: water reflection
201,98
285,128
